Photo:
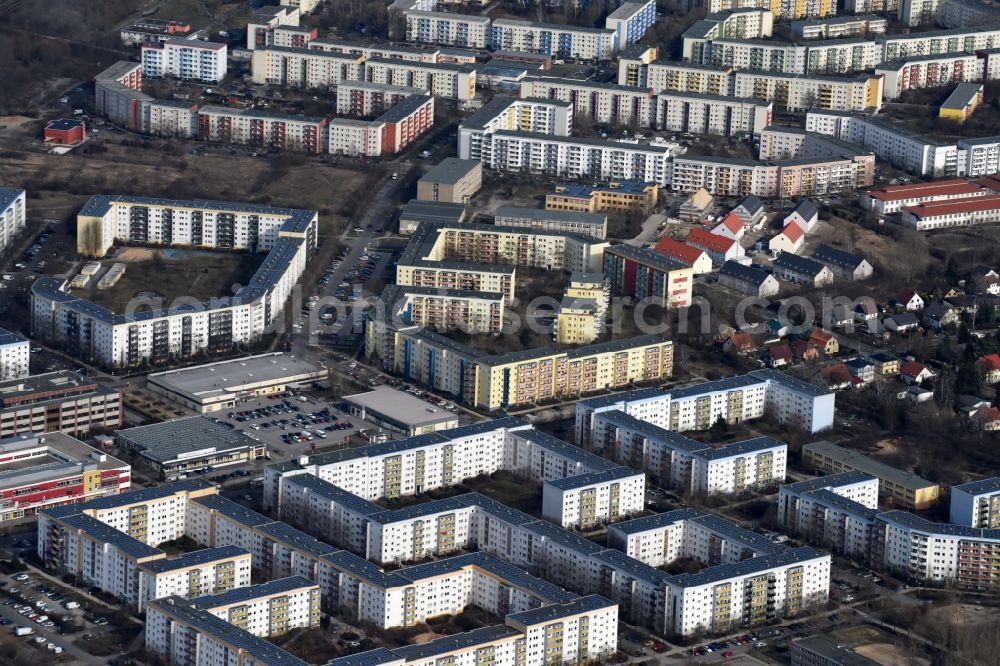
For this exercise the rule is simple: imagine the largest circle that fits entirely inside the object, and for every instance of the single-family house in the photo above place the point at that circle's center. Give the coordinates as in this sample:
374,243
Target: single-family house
804,214
825,341
988,419
779,356
987,281
910,300
739,343
697,206
789,239
961,303
836,377
989,368
802,351
939,315
801,270
866,310
840,316
969,405
776,328
914,372
748,280
951,293
885,364
730,227
698,260
901,323
845,266
915,394
750,211
861,368
719,248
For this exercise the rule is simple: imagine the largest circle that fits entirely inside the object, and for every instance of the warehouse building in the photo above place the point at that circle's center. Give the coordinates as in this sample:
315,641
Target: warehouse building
399,412
185,445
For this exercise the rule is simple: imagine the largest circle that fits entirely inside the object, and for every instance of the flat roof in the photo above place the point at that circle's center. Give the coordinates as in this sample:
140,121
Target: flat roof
103,532
405,108
213,380
190,438
451,170
829,481
433,211
401,407
71,458
518,212
144,495
863,463
251,592
783,557
587,604
233,510
195,558
831,652
981,487
49,387
656,521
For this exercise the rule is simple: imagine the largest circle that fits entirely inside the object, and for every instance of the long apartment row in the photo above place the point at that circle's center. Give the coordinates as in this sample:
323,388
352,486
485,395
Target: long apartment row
840,511
108,544
400,113
92,331
738,560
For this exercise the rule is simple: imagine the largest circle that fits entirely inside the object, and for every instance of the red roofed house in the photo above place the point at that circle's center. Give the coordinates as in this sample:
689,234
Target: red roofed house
915,373
988,418
719,248
731,227
802,350
824,341
780,356
738,343
697,259
837,376
989,366
910,300
65,132
789,239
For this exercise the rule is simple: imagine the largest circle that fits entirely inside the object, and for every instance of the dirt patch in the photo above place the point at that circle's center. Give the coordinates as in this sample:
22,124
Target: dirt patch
964,614
129,254
14,121
424,637
889,655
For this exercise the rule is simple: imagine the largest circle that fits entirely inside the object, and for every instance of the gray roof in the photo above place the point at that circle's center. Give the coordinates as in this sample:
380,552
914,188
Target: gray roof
249,592
600,143
145,494
167,441
233,510
831,499
414,511
829,481
517,212
790,383
495,508
647,257
591,478
752,204
453,643
783,557
740,448
915,522
8,195
904,319
102,532
807,209
831,255
450,170
213,379
333,493
981,487
405,108
555,612
738,271
554,27
400,407
857,460
800,265
656,521
288,535
733,532
433,211
830,652
194,558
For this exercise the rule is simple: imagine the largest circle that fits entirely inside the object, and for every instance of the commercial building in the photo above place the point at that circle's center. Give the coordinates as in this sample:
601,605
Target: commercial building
976,504
193,574
897,486
796,92
446,80
186,59
564,156
300,67
631,21
152,31
361,98
399,412
790,401
646,274
460,30
57,402
961,102
600,102
557,40
64,132
821,651
214,387
699,113
282,131
123,340
452,180
540,116
586,224
15,356
414,213
184,445
617,196
43,471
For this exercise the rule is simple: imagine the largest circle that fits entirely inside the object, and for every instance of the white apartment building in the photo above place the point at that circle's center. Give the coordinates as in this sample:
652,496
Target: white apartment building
194,574
461,30
186,59
268,609
841,26
968,40
444,310
370,99
224,124
662,75
445,80
556,40
13,214
569,157
957,213
976,504
170,117
266,21
762,392
15,356
535,115
351,137
837,511
800,93
304,67
710,114
600,102
856,486
587,224
590,499
929,71
120,340
741,23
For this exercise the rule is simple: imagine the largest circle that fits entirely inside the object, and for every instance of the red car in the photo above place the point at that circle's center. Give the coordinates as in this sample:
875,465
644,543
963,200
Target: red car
659,647
728,653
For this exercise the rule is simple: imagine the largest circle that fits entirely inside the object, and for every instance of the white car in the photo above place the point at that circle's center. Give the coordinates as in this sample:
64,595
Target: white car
8,276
